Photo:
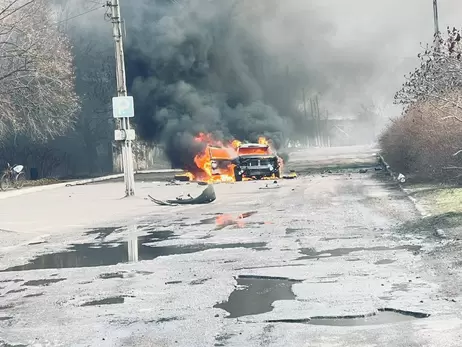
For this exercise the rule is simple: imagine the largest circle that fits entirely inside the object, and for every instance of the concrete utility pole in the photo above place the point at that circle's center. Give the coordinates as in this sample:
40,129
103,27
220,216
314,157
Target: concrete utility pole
435,18
436,23
123,105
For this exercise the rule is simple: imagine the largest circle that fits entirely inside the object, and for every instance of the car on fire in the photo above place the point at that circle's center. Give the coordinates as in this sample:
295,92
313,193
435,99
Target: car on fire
256,161
220,160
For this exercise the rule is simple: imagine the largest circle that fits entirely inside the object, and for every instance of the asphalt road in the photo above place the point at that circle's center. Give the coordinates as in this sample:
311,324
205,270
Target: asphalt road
327,259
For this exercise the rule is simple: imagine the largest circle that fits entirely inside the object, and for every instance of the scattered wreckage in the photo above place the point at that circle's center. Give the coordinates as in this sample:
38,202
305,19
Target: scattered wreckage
206,197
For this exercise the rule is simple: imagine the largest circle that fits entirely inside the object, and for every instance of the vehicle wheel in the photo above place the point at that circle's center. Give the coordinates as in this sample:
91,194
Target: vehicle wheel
237,177
20,179
5,182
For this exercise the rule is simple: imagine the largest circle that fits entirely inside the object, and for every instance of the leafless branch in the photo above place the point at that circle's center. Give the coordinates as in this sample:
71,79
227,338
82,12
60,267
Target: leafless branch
36,72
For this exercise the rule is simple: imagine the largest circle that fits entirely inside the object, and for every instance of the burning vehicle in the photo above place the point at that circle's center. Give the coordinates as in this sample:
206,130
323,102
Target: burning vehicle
214,162
220,160
234,161
256,161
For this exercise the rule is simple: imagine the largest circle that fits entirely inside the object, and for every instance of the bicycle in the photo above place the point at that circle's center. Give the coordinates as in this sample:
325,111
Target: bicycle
13,175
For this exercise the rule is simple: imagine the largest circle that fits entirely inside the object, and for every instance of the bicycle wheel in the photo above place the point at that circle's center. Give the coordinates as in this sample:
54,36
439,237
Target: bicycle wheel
19,181
5,182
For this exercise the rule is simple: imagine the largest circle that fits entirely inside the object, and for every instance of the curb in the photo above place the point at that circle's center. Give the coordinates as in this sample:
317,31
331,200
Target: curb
418,207
24,191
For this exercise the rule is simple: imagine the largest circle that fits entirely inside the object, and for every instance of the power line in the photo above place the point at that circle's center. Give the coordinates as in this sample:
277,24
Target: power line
82,14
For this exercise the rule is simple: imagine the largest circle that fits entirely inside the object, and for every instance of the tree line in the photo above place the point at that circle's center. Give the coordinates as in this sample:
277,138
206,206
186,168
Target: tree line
56,84
425,142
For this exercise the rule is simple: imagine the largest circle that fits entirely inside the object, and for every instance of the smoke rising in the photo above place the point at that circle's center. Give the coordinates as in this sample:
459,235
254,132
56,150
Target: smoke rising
233,69
238,68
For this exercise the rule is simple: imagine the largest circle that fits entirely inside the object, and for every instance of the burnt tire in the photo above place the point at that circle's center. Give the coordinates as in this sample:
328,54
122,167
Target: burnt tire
237,177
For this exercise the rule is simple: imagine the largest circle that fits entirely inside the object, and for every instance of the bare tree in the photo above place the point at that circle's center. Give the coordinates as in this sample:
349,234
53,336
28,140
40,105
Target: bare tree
37,96
438,80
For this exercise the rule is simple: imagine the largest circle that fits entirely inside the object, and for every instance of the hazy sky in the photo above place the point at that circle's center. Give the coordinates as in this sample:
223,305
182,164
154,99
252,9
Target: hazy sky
393,29
362,35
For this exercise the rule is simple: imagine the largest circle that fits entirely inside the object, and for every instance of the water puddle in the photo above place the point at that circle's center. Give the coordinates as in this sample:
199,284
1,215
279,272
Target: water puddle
33,295
37,243
310,253
110,275
255,295
16,291
43,282
384,262
167,319
112,253
107,301
4,344
199,281
383,316
102,233
6,307
224,220
292,230
340,238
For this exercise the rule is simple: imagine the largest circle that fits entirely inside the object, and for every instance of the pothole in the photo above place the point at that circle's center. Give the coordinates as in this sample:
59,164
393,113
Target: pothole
381,317
310,253
43,282
384,262
107,301
103,253
256,294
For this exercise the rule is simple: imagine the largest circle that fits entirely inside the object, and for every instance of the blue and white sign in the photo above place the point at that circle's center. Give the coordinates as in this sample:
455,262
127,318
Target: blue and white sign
123,107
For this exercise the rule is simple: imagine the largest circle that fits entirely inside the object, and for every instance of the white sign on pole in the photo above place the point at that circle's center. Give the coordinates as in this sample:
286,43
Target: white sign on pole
123,107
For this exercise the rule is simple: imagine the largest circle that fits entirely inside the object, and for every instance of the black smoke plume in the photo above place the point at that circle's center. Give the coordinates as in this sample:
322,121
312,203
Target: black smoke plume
211,66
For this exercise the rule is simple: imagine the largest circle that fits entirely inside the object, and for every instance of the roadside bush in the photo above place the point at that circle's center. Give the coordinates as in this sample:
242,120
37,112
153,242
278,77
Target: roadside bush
423,143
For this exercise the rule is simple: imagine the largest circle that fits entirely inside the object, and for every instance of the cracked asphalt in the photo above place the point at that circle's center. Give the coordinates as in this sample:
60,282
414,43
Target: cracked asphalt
322,260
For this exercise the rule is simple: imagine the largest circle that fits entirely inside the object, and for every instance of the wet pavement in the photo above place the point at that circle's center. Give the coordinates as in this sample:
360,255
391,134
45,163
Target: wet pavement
321,261
255,295
112,253
380,318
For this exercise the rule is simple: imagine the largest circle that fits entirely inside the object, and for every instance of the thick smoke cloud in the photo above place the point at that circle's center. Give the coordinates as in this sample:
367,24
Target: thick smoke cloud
221,67
238,68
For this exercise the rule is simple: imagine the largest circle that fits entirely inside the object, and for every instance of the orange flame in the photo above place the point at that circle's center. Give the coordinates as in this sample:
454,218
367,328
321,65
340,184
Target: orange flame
235,144
214,162
263,141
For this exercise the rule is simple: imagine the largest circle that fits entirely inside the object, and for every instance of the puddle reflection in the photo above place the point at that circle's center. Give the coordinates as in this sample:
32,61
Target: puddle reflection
132,245
135,248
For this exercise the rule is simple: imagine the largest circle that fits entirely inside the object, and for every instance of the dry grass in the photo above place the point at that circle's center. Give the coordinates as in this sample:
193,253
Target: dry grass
423,142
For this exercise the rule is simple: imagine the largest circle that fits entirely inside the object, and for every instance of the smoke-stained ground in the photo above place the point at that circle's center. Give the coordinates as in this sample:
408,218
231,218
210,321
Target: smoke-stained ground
233,69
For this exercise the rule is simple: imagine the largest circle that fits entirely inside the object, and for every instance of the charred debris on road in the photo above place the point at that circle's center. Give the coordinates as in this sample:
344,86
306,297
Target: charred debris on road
206,197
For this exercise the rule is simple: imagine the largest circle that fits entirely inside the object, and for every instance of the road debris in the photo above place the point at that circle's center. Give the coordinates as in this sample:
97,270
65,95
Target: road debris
275,185
292,175
401,178
184,177
206,197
